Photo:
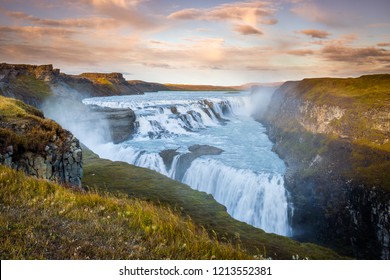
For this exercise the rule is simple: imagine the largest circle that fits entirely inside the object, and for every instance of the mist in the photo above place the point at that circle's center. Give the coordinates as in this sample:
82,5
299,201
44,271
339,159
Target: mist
261,97
91,128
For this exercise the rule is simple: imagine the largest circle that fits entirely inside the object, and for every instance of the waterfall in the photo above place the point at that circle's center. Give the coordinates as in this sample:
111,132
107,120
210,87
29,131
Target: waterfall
257,199
247,178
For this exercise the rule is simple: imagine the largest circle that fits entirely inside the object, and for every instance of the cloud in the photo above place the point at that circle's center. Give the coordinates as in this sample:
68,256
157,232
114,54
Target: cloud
314,13
34,32
300,52
92,22
244,15
125,11
247,30
359,56
248,12
320,34
383,44
158,65
187,14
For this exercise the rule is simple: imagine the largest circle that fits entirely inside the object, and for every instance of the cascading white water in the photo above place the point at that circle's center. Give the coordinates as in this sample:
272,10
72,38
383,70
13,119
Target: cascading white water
258,199
247,177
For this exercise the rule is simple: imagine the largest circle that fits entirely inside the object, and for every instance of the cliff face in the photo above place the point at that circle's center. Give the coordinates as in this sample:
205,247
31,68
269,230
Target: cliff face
147,86
33,84
29,83
334,136
38,146
119,121
59,95
99,84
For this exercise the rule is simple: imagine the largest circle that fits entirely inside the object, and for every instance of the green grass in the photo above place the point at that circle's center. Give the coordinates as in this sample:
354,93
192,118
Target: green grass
183,87
42,220
365,91
29,86
144,184
25,128
12,108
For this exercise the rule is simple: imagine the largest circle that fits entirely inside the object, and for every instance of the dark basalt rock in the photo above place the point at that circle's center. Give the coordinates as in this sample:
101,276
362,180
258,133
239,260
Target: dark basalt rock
167,156
196,151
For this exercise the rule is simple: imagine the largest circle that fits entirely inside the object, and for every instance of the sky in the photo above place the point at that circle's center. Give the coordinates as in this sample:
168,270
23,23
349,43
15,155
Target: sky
216,42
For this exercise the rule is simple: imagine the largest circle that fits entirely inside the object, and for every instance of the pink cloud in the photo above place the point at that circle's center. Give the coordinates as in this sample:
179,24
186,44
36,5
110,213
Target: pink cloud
92,22
248,30
300,52
245,15
320,34
313,13
367,55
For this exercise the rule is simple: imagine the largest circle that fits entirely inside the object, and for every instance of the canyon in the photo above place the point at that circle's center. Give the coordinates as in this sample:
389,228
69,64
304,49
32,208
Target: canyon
332,134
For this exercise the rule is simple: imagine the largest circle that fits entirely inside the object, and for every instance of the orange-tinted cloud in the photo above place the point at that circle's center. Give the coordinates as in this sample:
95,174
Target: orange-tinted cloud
245,15
34,32
359,56
92,22
247,30
313,13
125,11
300,52
320,34
383,44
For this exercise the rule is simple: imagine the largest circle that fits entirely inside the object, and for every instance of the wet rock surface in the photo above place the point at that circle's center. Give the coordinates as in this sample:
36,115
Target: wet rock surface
196,151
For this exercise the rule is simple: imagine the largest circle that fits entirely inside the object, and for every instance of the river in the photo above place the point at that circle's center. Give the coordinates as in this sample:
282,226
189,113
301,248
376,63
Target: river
247,177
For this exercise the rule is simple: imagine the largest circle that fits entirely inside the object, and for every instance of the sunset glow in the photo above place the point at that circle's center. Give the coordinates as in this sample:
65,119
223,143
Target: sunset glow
200,42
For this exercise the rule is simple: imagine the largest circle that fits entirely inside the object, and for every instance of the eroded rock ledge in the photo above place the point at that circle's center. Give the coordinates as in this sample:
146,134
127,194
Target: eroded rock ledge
38,146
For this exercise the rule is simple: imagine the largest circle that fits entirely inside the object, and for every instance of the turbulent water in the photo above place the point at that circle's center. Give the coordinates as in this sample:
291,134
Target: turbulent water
247,177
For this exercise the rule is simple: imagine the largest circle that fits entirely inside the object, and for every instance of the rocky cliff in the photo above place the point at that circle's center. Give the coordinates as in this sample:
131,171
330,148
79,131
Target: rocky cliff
334,136
38,146
29,83
35,83
59,96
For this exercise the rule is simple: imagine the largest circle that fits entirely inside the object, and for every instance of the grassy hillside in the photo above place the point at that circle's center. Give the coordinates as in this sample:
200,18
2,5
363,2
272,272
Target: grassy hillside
42,220
365,91
24,127
202,208
182,87
28,88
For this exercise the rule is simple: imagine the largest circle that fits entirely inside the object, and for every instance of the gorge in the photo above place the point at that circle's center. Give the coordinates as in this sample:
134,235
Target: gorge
322,179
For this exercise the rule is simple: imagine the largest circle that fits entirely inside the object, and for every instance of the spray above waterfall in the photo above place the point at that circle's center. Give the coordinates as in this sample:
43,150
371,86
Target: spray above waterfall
209,141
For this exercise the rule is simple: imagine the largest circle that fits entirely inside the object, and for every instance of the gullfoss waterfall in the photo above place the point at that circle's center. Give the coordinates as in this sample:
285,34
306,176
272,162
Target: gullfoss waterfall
208,141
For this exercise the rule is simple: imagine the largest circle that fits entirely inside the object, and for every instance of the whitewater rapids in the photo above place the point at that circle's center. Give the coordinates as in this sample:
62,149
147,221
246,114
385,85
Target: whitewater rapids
247,177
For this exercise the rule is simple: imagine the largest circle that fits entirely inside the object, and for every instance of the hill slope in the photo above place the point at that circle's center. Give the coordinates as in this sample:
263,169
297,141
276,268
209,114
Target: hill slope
43,220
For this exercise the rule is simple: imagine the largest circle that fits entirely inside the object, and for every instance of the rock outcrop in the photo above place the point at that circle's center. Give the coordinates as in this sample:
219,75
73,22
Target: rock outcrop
334,136
41,72
28,83
143,86
35,83
38,146
195,151
120,121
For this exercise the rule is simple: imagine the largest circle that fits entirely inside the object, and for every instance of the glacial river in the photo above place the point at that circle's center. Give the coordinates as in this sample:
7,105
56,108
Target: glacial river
247,177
